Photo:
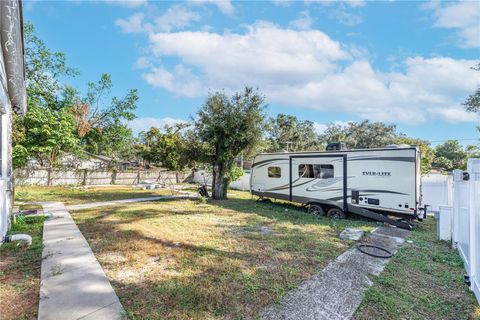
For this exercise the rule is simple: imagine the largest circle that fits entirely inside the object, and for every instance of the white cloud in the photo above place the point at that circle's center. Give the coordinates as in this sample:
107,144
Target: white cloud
176,17
225,6
180,81
127,3
282,3
303,22
455,114
342,10
265,54
144,124
351,3
356,3
134,24
345,17
463,16
143,63
306,68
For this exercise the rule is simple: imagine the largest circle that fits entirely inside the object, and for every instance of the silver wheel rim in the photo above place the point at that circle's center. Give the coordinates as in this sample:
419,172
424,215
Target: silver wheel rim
336,214
316,211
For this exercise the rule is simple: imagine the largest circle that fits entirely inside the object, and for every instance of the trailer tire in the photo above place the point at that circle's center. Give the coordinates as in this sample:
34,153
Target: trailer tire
316,210
336,213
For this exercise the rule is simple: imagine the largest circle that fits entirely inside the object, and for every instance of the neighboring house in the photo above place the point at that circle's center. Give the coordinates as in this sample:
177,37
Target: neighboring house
12,97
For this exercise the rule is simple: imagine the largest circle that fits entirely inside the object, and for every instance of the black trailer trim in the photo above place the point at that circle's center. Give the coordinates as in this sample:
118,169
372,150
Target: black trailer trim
344,158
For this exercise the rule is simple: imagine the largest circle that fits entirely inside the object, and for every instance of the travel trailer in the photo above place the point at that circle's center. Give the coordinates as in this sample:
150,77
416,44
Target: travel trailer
374,183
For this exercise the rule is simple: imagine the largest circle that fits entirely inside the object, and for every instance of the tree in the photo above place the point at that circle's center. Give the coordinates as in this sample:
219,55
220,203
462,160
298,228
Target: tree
472,151
427,152
472,103
361,135
450,155
223,129
48,134
167,149
45,132
44,71
444,163
101,123
286,132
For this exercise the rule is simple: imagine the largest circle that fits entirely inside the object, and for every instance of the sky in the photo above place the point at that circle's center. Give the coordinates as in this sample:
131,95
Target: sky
407,63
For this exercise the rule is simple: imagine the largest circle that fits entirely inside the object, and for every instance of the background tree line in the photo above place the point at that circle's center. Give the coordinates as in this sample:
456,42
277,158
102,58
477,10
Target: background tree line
61,120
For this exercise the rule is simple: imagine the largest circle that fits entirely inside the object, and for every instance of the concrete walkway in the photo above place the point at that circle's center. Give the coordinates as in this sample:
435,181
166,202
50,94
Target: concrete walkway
337,291
73,284
115,202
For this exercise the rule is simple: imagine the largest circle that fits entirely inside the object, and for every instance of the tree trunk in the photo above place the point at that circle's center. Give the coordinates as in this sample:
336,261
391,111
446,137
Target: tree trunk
49,176
218,187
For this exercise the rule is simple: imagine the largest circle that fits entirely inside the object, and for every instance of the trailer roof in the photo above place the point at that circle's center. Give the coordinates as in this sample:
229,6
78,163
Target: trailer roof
411,147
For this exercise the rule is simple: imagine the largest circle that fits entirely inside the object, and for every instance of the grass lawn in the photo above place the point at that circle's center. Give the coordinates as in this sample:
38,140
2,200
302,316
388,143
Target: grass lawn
20,272
70,195
184,259
424,280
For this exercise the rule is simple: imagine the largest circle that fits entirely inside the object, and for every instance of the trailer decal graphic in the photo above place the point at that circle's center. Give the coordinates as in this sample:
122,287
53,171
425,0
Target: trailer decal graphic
265,162
404,159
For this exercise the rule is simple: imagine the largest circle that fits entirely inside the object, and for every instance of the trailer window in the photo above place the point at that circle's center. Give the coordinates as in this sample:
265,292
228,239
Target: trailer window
306,171
326,171
274,172
316,171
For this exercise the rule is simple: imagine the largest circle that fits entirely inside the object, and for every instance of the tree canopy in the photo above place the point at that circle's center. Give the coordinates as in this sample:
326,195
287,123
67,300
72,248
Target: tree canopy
361,135
102,122
287,132
450,155
224,128
472,103
53,107
165,148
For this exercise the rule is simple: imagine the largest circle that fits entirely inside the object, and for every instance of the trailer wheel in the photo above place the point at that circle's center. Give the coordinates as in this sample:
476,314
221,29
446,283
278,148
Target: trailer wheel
316,210
336,213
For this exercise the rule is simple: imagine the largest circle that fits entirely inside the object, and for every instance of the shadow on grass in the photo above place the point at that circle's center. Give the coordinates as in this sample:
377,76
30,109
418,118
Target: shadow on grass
235,276
208,282
290,212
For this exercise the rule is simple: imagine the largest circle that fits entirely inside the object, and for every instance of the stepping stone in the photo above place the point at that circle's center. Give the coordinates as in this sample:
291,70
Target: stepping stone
351,234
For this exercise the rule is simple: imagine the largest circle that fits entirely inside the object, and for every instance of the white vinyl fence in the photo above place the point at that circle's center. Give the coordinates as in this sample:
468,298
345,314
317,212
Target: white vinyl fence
243,183
437,191
463,218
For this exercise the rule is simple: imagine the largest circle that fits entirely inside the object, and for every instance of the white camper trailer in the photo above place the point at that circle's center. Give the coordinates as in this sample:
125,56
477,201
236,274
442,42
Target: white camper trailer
374,183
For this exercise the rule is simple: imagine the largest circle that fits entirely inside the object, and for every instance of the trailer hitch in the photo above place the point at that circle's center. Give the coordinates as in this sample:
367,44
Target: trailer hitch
379,217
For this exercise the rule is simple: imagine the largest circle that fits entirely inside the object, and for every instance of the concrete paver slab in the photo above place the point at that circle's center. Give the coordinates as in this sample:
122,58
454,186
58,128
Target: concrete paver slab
338,290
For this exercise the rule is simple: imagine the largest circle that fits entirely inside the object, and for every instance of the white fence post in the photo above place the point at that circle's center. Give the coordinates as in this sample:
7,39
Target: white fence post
474,212
457,176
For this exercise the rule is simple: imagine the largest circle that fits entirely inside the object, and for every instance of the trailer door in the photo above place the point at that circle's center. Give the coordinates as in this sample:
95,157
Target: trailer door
319,178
